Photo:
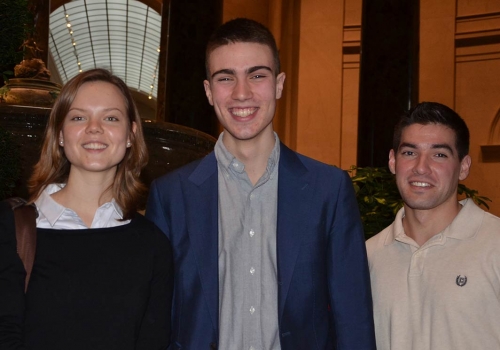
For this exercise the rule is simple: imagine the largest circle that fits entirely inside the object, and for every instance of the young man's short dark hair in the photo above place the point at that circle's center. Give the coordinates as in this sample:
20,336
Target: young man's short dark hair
434,113
242,30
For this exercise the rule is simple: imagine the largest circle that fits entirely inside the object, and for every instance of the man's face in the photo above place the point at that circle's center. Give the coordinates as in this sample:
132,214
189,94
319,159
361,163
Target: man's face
243,88
427,167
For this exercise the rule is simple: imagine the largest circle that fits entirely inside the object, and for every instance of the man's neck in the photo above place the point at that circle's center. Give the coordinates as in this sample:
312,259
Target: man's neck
422,225
253,153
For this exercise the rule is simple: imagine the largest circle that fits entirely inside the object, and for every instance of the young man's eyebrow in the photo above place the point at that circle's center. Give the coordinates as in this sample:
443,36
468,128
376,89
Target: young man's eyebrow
223,71
406,144
443,145
434,146
256,68
248,71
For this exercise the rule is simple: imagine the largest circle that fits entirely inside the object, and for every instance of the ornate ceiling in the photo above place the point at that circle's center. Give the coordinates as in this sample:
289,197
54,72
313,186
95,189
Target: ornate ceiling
120,35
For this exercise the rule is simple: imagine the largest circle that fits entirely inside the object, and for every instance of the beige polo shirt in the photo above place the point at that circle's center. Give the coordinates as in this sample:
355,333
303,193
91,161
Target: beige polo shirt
442,295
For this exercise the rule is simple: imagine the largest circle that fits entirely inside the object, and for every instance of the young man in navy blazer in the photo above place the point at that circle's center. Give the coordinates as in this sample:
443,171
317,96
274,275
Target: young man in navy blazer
268,244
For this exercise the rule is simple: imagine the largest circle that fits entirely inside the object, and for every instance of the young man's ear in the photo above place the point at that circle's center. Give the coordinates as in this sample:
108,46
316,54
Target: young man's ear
280,81
392,161
464,168
208,91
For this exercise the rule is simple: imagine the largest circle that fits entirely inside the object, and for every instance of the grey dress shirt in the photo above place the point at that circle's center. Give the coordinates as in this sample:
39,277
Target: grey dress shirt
248,285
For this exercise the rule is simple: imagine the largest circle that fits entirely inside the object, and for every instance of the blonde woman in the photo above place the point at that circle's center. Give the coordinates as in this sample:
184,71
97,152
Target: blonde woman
102,277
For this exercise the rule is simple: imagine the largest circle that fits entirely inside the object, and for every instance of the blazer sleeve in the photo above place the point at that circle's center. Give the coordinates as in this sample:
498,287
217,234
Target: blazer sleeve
348,274
154,209
12,276
156,323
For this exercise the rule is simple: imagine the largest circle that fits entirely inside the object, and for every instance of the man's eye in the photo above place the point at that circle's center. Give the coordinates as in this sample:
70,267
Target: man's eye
441,155
224,79
407,153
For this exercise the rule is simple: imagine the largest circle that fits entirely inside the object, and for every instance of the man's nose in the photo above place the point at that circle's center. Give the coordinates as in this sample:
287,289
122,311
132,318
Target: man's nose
242,90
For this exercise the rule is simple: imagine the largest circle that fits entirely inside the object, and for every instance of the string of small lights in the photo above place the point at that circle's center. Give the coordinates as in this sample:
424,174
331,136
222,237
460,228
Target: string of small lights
73,42
150,96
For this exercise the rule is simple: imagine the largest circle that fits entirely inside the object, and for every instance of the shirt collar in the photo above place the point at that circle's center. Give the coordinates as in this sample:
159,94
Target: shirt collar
231,163
53,210
464,226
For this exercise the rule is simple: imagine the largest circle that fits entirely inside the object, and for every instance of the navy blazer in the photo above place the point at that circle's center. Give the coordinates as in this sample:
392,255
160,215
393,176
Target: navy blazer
324,297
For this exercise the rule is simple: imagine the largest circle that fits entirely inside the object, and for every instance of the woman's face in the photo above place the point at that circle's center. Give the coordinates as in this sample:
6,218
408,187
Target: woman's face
96,131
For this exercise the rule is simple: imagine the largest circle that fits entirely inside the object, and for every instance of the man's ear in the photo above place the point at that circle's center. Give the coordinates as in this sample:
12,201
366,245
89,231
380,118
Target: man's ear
280,81
392,161
464,167
208,91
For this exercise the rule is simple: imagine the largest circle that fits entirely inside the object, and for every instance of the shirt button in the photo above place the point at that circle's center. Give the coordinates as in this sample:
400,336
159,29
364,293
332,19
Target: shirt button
252,196
236,165
252,310
252,270
251,233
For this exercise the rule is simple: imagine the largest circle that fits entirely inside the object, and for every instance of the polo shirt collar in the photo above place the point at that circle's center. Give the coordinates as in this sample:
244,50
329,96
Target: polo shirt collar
465,225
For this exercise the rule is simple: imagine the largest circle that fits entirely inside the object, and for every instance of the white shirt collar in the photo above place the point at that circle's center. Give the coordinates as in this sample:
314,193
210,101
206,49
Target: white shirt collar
51,212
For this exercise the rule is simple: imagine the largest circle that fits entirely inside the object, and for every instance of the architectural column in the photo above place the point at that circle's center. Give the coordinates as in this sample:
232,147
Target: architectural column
182,97
319,93
388,75
437,51
40,10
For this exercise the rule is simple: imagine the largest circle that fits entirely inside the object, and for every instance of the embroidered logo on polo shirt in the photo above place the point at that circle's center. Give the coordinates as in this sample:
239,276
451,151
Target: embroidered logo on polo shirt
461,280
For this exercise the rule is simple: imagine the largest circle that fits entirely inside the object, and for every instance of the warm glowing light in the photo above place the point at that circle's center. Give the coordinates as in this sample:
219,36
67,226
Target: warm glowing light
68,25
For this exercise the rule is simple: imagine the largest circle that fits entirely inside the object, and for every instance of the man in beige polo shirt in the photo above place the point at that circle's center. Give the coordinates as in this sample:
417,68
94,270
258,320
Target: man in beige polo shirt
435,271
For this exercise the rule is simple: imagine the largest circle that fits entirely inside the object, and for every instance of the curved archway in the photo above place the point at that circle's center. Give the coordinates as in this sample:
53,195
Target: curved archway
494,136
491,151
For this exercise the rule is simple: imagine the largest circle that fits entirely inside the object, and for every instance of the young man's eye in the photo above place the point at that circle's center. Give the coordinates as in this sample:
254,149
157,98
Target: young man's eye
258,76
407,153
223,79
441,155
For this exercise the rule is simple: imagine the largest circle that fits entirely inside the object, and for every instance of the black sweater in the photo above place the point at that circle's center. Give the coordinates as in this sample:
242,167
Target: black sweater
107,288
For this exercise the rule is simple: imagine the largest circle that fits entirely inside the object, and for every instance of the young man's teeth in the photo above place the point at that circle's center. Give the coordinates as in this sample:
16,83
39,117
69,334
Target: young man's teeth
420,184
243,112
94,146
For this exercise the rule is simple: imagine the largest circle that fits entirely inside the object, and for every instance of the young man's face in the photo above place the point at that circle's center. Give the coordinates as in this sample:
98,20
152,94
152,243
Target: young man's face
427,167
243,88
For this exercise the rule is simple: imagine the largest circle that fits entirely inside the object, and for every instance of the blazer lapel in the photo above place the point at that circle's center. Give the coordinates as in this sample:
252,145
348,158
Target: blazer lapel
201,193
293,204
